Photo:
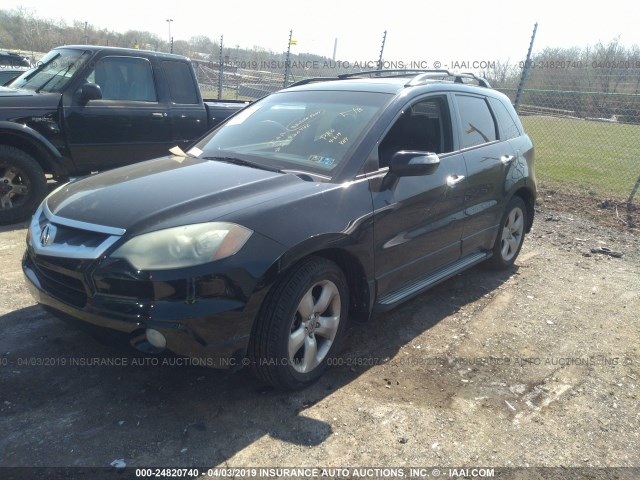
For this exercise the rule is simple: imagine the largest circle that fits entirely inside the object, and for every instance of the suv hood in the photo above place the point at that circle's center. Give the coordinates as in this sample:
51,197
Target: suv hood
171,191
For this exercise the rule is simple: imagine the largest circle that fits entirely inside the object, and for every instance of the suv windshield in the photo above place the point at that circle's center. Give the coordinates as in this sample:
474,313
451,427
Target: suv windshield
305,130
53,72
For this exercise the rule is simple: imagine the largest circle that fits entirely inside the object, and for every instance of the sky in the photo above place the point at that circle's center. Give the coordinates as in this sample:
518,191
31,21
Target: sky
420,31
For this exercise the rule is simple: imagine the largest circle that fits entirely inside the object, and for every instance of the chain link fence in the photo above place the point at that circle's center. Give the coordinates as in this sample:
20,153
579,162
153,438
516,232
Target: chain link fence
584,122
251,80
586,128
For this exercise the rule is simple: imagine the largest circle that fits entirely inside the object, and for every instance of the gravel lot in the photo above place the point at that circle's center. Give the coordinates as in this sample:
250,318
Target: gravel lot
537,366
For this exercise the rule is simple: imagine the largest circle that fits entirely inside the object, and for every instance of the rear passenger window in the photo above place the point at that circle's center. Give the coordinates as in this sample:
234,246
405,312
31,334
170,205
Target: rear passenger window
181,84
506,125
478,126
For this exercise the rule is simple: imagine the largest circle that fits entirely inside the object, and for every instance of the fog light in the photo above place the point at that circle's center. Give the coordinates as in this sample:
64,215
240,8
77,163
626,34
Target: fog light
156,338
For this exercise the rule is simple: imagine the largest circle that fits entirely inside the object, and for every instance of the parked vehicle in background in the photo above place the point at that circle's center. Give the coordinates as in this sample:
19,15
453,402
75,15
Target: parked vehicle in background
12,59
7,74
11,66
323,202
89,108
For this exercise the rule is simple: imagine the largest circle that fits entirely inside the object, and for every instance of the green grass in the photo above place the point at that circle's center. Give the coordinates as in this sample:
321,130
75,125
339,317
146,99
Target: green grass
596,157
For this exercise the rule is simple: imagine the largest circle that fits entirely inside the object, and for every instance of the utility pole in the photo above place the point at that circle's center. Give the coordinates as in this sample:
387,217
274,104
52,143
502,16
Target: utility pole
169,20
86,36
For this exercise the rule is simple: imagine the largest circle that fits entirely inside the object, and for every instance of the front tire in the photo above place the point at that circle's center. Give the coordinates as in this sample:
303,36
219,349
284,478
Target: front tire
300,325
23,185
510,236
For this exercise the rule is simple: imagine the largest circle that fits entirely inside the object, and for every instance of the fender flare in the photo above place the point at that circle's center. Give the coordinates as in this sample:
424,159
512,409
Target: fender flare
339,247
46,153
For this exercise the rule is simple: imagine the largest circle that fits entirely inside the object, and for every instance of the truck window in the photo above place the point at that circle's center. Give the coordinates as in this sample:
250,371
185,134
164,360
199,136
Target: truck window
124,78
478,126
181,84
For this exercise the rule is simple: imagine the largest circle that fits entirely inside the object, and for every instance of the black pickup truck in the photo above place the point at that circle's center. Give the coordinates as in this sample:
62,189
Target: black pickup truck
88,108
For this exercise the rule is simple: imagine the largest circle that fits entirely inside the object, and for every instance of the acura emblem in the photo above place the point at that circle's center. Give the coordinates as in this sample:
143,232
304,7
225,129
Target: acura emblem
48,234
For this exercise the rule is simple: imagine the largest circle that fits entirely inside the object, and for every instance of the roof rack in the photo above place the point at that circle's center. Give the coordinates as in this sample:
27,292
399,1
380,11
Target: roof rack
387,73
311,80
457,77
420,77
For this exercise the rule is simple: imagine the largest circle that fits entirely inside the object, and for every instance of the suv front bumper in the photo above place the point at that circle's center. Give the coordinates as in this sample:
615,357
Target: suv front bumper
212,332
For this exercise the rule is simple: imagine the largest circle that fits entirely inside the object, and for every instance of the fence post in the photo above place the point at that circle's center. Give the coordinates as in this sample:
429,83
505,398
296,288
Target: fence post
384,39
221,69
525,70
286,63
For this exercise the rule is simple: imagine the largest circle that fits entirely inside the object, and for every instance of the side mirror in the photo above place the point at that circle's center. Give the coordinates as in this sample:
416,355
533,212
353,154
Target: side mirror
88,92
410,163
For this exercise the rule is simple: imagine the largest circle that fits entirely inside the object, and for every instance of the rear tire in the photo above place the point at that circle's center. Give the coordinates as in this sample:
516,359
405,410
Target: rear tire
510,236
23,185
300,325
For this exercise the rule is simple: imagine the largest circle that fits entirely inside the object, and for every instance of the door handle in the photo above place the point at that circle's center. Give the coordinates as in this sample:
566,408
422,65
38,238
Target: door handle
506,159
453,180
158,115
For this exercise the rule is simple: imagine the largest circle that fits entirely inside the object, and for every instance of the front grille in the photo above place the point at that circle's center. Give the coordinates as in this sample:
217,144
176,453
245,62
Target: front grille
61,285
56,236
75,237
61,250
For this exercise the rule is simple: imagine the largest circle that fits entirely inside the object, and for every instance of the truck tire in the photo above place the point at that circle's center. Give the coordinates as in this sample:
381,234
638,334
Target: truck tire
23,185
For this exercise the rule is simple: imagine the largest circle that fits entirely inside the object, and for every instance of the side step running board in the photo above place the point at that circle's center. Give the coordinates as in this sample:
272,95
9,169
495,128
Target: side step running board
438,276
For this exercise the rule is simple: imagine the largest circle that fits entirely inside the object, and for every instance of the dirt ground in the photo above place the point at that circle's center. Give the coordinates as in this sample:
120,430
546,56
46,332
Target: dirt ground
537,366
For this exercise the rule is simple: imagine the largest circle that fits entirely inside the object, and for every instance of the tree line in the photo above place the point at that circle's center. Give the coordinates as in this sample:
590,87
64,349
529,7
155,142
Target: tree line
22,31
602,80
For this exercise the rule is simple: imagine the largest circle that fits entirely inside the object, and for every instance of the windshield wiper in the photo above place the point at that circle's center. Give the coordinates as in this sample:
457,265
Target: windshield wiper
246,163
40,67
55,75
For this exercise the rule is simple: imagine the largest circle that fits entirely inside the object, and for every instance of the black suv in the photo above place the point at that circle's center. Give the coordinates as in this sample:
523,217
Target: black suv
325,201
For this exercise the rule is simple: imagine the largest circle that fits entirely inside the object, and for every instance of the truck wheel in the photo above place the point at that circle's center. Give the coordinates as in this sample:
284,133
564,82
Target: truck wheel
300,325
22,185
510,236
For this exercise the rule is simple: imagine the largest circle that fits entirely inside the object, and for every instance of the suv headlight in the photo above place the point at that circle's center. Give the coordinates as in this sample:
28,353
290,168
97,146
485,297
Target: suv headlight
184,246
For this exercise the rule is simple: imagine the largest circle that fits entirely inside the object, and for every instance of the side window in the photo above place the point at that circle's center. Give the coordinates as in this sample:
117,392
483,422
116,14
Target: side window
124,78
478,126
181,84
506,125
424,126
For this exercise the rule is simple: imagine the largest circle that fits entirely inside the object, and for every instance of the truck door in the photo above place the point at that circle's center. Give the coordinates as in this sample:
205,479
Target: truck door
187,116
128,124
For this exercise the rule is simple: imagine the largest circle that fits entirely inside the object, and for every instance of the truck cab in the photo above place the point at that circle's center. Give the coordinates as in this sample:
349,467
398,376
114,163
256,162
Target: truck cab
87,108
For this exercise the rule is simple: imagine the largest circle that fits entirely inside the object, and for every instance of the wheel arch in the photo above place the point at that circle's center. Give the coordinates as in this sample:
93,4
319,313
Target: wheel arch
34,144
528,197
351,258
359,294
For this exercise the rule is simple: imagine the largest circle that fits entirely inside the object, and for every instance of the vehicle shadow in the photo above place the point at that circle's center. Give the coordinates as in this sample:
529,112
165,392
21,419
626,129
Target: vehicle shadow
14,226
71,401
